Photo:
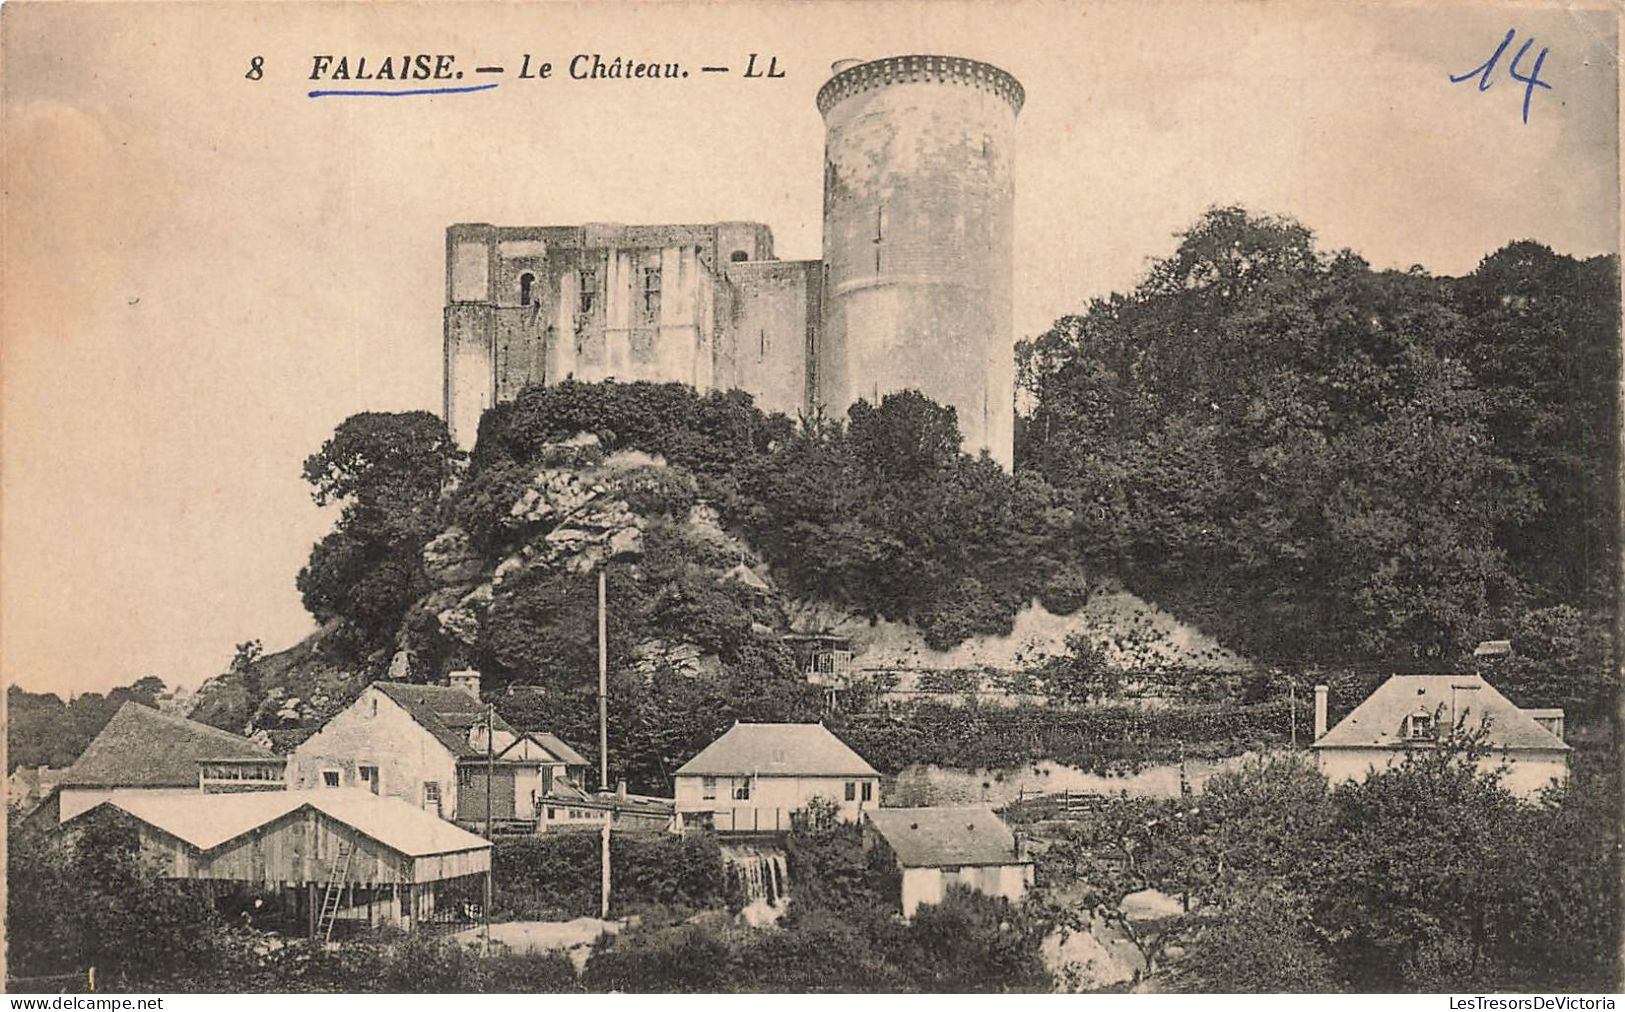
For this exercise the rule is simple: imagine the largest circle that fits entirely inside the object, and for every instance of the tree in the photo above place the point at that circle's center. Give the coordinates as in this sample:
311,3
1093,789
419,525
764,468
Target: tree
1081,674
1285,447
386,471
1561,656
377,457
831,869
1425,864
905,436
91,900
1263,942
972,942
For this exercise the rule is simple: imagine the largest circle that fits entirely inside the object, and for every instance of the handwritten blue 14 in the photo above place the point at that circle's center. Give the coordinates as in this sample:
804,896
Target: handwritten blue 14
1531,81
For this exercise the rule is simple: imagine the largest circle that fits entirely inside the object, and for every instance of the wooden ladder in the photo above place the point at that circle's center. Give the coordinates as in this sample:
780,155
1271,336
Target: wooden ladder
335,892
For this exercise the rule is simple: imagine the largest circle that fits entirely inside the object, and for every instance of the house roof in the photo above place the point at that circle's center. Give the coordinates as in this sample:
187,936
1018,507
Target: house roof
778,750
554,744
207,821
1379,721
141,747
936,837
447,713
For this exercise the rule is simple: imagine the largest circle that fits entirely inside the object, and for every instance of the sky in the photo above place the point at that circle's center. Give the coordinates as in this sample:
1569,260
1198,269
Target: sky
204,274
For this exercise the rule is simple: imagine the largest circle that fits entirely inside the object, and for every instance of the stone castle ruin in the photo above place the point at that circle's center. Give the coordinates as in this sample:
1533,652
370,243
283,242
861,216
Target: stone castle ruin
913,290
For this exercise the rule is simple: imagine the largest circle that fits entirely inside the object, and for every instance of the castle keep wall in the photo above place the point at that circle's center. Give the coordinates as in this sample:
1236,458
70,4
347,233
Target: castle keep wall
914,289
768,331
919,210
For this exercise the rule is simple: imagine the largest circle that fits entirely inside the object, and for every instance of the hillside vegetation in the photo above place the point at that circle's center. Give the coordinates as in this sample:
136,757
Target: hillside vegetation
1322,465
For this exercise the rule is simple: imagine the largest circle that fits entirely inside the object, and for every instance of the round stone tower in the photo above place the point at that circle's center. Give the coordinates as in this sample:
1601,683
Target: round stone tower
918,224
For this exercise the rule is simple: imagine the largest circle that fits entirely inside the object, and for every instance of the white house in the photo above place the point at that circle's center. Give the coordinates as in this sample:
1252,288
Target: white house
934,848
1409,712
426,744
756,775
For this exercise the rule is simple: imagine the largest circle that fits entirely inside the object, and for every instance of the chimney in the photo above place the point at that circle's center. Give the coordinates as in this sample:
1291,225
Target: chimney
1320,711
467,679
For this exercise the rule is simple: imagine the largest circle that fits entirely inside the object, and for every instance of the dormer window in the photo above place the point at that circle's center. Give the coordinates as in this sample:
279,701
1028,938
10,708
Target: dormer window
1419,726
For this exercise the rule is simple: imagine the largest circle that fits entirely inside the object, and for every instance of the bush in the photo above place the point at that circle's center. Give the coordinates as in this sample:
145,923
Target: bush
556,875
1101,738
685,959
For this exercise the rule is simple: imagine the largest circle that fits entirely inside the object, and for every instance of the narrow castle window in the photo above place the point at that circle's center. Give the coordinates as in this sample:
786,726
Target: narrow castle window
526,280
880,234
651,291
589,290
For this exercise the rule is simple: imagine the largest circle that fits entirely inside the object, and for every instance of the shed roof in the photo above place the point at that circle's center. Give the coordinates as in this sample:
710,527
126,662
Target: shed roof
938,837
445,712
1379,722
778,750
141,747
207,821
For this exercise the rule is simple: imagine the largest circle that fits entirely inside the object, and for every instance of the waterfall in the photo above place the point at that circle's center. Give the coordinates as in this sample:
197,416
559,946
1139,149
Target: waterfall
763,875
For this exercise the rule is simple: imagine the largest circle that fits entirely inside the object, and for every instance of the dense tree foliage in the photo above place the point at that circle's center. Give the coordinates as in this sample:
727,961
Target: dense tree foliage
556,875
968,943
1316,460
89,900
882,514
45,731
1427,876
385,471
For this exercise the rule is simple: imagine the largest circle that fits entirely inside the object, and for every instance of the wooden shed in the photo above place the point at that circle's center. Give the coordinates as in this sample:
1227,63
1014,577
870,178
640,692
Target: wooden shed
381,859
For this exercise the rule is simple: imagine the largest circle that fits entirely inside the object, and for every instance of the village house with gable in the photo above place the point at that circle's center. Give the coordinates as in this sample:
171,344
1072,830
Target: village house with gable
752,778
426,744
934,849
146,751
1409,712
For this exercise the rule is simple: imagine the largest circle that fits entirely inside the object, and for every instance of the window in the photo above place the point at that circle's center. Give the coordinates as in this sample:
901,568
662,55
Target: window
708,788
375,706
369,777
851,791
589,290
526,280
739,256
431,795
880,234
1420,726
330,778
868,791
742,792
651,291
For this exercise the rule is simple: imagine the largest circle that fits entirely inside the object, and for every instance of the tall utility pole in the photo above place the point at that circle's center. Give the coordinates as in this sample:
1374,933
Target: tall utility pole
603,746
603,690
1292,707
490,761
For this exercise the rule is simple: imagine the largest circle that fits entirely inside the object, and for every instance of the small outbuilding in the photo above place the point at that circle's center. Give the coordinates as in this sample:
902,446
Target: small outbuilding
934,848
347,855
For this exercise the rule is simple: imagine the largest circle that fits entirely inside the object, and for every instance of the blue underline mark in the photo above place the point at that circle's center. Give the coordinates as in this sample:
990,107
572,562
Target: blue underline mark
403,94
